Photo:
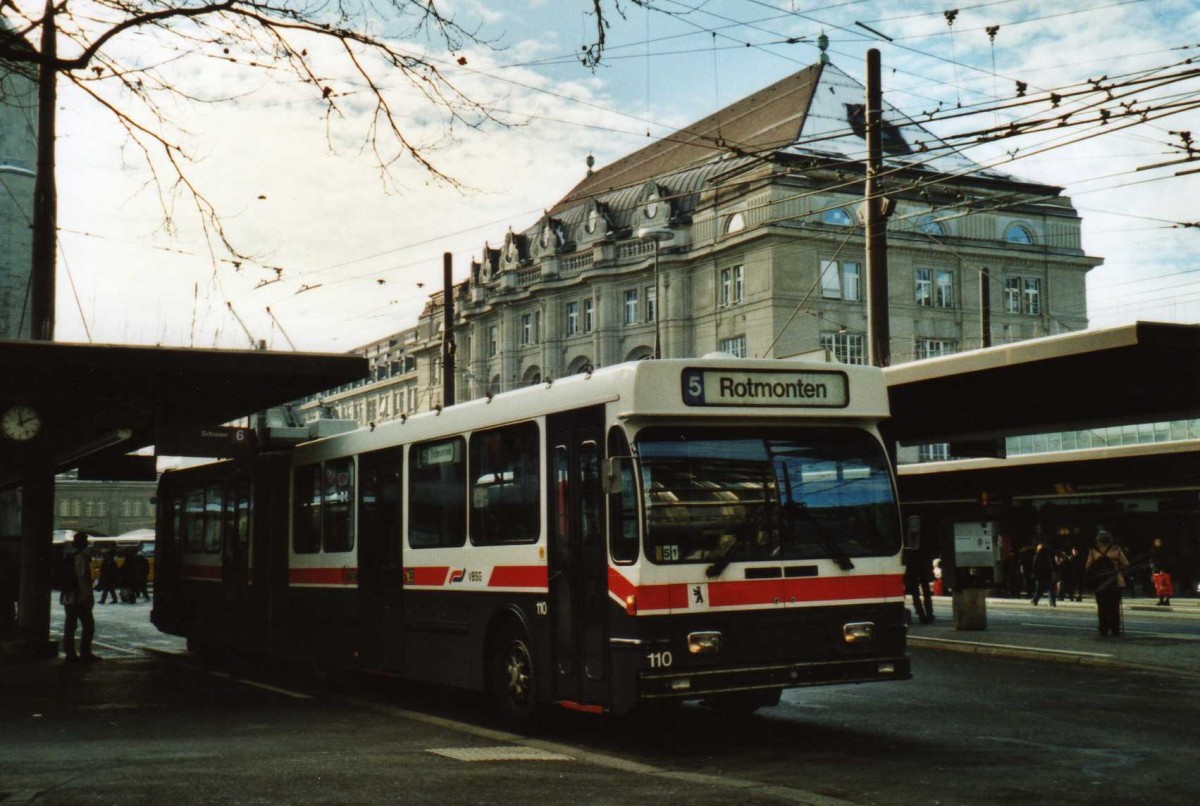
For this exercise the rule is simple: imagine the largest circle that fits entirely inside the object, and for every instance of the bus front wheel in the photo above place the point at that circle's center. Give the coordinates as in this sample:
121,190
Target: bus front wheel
512,680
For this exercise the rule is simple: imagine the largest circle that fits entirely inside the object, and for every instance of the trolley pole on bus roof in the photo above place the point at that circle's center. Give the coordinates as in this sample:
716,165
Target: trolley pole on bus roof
447,331
877,209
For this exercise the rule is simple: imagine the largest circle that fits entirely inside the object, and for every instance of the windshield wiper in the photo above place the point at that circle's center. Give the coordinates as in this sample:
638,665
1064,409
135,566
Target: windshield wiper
792,506
722,562
828,541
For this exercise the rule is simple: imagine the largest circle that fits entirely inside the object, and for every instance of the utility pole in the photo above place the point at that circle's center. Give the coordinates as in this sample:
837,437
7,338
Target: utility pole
985,308
447,330
877,211
45,194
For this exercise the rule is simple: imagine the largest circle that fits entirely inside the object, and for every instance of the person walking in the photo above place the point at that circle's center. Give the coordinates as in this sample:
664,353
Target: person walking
77,601
1043,574
916,585
1104,567
109,573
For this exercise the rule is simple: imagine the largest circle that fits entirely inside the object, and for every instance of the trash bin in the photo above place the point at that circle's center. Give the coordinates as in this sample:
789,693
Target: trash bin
970,609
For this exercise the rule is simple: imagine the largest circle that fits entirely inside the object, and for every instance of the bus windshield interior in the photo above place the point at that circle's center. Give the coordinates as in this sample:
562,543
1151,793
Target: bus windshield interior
778,494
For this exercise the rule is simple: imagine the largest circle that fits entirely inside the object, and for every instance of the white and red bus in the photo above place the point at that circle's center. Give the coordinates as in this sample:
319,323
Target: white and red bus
717,529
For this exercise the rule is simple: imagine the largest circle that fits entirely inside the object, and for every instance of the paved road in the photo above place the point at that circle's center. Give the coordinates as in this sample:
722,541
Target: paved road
969,729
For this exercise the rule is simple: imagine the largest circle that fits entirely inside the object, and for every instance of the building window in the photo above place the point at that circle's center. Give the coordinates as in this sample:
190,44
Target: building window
931,348
929,225
735,346
493,340
651,303
572,318
943,289
846,348
841,280
733,285
735,223
526,329
1016,233
936,452
631,306
837,217
1023,295
933,288
588,318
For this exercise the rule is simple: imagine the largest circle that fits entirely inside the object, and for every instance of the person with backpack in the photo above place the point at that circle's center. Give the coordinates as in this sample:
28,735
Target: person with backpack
1104,568
75,585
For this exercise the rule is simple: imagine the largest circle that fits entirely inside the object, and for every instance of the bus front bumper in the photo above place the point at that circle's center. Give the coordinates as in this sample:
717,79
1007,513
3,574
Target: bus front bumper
701,682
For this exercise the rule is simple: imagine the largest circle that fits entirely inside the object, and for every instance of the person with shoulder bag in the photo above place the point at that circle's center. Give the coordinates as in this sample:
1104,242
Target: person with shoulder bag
1105,568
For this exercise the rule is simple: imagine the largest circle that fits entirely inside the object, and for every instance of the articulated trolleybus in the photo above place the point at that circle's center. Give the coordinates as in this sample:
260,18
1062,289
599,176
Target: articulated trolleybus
715,529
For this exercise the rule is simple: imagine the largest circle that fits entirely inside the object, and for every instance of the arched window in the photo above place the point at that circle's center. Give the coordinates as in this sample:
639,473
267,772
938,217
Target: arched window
735,223
532,376
639,354
929,225
837,217
1018,233
580,364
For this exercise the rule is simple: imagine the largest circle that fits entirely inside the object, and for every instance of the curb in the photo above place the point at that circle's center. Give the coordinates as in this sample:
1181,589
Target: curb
1062,656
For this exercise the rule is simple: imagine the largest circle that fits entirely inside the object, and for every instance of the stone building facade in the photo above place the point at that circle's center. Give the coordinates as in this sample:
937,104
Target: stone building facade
741,234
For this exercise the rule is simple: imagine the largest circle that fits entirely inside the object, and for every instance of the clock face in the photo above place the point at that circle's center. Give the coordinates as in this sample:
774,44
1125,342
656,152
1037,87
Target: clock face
21,423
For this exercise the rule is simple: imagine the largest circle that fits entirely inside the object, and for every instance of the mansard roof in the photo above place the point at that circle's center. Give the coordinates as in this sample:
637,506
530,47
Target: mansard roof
816,112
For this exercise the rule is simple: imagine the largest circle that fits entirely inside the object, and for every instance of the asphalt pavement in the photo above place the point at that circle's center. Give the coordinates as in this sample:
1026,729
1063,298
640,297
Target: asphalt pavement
135,729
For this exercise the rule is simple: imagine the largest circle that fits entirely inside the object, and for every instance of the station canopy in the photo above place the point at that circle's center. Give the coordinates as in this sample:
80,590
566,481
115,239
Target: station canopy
93,398
1138,373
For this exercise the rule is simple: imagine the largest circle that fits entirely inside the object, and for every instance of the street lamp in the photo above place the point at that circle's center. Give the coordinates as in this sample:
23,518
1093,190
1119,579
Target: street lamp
656,234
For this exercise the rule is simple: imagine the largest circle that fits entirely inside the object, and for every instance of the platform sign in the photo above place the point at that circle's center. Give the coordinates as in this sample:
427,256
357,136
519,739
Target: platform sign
753,387
217,442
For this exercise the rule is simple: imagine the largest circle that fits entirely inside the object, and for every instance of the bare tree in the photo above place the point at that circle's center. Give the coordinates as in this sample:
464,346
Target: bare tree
86,42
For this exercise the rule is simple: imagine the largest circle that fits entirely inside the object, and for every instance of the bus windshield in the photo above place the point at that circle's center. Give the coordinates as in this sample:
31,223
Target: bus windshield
775,494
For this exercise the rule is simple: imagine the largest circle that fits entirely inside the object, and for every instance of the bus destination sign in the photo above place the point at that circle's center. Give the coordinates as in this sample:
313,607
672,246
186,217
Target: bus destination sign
753,387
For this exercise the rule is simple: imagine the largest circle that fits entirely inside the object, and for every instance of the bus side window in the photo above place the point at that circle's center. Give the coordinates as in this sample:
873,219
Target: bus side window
505,478
622,506
437,494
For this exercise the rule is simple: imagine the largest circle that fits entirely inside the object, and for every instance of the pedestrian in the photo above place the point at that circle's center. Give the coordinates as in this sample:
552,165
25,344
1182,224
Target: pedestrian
1160,573
1104,567
77,601
109,574
1072,571
1043,574
916,585
141,576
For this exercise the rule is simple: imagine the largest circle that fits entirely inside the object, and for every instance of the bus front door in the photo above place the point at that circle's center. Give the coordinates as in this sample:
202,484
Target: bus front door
578,557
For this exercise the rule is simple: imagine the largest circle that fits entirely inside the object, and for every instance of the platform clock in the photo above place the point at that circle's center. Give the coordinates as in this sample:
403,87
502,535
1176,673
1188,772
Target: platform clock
20,423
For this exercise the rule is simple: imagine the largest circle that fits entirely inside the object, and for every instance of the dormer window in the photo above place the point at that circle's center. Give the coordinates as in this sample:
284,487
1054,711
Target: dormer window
735,223
1018,233
651,208
593,221
929,225
837,217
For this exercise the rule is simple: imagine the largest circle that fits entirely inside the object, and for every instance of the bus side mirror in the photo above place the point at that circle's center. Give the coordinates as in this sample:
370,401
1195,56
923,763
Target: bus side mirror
912,533
612,472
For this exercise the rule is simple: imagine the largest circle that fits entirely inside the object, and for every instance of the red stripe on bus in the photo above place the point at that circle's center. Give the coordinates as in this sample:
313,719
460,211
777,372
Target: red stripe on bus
200,571
676,596
426,576
323,576
519,576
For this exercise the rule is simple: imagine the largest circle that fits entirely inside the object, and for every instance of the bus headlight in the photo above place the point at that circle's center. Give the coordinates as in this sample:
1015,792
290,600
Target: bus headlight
858,631
704,643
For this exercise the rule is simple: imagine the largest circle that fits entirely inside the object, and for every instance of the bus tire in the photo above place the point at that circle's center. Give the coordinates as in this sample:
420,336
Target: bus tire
512,678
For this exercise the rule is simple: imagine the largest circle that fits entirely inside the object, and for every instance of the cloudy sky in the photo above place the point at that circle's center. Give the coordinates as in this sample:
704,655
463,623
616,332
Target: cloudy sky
342,254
